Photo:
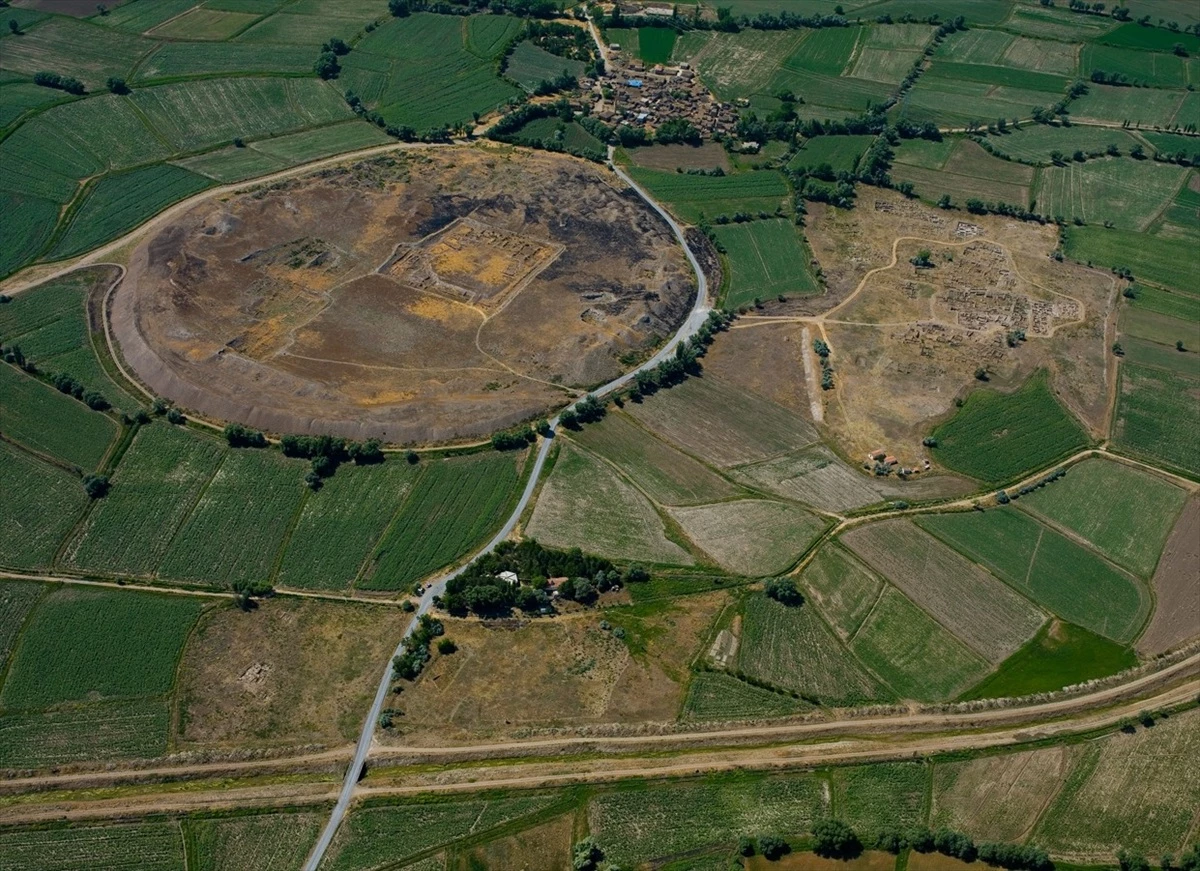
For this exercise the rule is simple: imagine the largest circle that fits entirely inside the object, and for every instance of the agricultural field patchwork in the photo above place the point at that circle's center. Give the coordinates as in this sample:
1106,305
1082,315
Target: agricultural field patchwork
1162,261
750,537
692,197
843,588
43,504
53,424
268,842
1156,418
1128,194
766,259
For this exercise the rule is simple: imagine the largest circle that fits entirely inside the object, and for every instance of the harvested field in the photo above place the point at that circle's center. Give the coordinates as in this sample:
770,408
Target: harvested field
722,423
291,672
1177,612
877,798
982,611
843,589
667,475
997,797
751,536
585,504
291,329
1114,795
668,158
791,647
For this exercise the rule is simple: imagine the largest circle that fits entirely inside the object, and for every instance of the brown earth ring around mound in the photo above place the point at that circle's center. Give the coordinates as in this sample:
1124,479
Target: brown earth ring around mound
422,297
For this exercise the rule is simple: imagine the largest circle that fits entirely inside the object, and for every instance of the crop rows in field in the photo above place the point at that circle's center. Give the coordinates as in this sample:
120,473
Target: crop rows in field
750,536
376,835
723,424
86,644
668,475
529,65
874,798
1036,142
41,418
957,101
840,152
691,196
90,732
140,17
193,59
75,48
585,504
766,259
1159,69
153,489
1071,581
341,522
1136,791
982,611
1169,262
487,35
714,695
1148,106
42,504
737,65
204,24
235,530
1129,194
826,51
1157,416
27,228
17,599
455,503
635,825
997,436
310,31
968,172
791,647
573,136
842,588
147,847
814,476
268,842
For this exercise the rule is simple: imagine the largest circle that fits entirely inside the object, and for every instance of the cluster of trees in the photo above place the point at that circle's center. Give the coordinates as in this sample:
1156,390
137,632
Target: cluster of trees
1134,860
96,486
403,133
70,84
977,206
509,129
783,591
514,439
245,592
521,8
116,85
573,43
408,664
240,436
327,66
71,386
677,130
329,452
587,410
822,351
727,22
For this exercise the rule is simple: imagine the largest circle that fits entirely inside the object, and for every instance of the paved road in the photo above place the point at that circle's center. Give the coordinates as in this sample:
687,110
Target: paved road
689,328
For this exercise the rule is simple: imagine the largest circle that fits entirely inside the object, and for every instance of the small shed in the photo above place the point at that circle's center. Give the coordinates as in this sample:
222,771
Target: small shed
509,578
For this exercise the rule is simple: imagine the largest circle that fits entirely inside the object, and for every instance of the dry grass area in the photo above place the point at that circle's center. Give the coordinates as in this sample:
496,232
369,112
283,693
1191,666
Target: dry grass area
751,536
516,677
1176,586
998,798
290,672
910,340
460,290
542,848
710,155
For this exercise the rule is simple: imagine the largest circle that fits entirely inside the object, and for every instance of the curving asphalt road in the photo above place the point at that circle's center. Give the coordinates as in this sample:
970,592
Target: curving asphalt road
690,326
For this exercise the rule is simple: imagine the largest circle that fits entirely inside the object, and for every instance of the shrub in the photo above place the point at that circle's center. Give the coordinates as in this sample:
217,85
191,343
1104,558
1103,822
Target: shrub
834,839
783,590
239,436
446,647
772,847
96,486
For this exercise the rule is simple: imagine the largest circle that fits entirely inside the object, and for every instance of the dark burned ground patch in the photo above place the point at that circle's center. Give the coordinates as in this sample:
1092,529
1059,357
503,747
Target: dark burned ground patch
433,295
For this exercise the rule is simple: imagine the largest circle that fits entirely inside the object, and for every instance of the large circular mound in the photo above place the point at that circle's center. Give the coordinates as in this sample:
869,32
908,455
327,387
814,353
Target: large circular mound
432,295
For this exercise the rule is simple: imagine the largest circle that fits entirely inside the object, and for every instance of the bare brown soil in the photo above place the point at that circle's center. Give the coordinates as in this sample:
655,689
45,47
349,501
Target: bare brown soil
1176,587
424,296
291,672
710,155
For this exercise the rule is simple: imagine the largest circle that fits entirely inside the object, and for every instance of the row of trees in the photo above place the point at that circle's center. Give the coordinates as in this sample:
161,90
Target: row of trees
70,84
411,661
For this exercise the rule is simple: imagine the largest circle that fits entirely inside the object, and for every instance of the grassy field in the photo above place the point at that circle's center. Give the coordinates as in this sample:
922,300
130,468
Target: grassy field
202,24
75,48
139,17
153,490
826,51
1157,418
1161,356
982,611
89,732
585,504
766,259
917,657
1061,655
667,475
637,824
340,524
232,164
1059,574
118,203
751,536
530,65
267,842
655,44
843,588
27,231
176,59
42,504
1036,142
968,172
17,599
86,645
1127,193
151,846
714,695
874,798
691,197
271,155
39,417
721,423
1114,795
996,437
958,102
385,834
1167,262
235,530
1145,106
454,505
792,648
1133,35
1161,70
1125,512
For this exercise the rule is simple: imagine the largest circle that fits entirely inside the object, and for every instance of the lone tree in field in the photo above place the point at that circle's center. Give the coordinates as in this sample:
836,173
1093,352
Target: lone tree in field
783,591
833,839
96,486
14,26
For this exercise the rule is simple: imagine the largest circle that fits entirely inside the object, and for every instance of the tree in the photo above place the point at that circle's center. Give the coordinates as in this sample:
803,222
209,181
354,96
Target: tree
833,839
327,66
772,847
1132,860
239,436
412,457
586,856
1179,345
336,45
745,846
944,202
981,374
14,26
783,591
116,85
923,259
399,8
96,486
445,646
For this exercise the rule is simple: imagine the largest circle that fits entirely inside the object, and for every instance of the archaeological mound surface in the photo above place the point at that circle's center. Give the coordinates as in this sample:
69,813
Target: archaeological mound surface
430,295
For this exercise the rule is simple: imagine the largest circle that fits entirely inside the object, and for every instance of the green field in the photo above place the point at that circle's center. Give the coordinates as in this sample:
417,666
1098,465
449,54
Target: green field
141,16
1157,417
840,152
1071,581
826,51
1035,143
75,48
90,732
235,530
1144,106
176,59
1156,69
1168,262
454,505
153,490
714,695
917,657
996,437
17,599
232,164
530,65
968,172
957,101
1160,356
736,65
340,524
267,842
1130,194
751,536
792,648
766,259
692,197
147,846
87,645
1124,512
875,798
667,475
843,588
1004,76
52,423
42,504
571,136
1133,35
655,44
1061,655
201,24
